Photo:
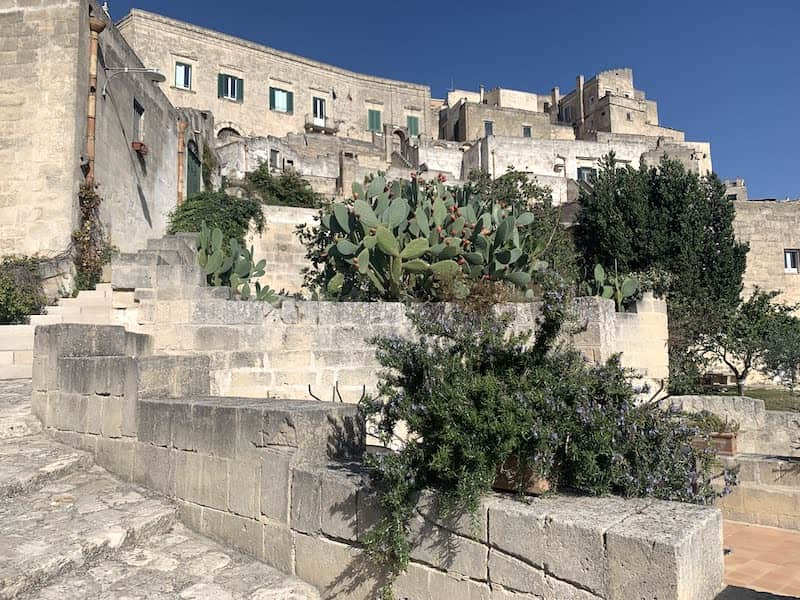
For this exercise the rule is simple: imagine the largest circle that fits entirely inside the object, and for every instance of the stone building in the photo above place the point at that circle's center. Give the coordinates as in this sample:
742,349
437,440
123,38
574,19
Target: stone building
78,106
257,91
772,228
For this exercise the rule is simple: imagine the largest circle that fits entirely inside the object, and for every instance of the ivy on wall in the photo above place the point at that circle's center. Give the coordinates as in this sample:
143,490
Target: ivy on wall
92,249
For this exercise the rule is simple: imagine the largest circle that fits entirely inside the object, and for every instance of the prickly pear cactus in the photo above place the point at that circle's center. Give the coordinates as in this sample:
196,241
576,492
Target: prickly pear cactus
398,240
232,266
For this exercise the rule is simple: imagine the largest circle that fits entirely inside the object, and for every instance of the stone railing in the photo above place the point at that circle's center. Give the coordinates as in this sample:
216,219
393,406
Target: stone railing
761,431
281,481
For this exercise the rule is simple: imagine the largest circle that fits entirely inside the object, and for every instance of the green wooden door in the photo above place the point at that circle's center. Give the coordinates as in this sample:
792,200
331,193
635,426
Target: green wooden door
193,172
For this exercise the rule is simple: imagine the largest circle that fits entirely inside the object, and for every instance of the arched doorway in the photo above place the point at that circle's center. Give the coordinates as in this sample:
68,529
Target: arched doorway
227,132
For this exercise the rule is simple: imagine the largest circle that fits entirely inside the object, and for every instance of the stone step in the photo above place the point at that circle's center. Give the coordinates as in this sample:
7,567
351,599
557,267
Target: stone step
16,419
29,462
47,319
178,564
70,522
23,371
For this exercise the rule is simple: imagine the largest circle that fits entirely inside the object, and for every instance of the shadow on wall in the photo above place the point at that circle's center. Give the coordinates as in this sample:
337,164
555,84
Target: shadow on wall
136,159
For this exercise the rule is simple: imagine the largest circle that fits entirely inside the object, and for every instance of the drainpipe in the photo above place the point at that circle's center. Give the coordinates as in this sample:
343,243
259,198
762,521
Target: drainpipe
181,157
96,26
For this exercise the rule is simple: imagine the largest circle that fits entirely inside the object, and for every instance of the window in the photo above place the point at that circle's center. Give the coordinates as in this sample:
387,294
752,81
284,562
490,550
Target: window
586,174
183,76
731,197
790,260
230,87
547,107
318,110
194,170
629,116
568,113
488,128
526,131
374,120
138,122
273,158
413,125
281,100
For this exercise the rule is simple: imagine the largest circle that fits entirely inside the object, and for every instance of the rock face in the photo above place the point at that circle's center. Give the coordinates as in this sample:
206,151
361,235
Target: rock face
70,530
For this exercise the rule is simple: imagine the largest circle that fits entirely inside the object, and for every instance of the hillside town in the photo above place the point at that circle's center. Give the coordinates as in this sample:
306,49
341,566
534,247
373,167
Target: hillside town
274,329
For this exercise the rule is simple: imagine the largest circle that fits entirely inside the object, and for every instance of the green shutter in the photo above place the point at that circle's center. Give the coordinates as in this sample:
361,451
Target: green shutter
220,85
412,123
374,120
240,90
272,98
290,102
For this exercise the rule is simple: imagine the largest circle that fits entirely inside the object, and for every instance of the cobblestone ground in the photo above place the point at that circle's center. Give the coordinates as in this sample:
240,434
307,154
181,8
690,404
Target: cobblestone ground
69,530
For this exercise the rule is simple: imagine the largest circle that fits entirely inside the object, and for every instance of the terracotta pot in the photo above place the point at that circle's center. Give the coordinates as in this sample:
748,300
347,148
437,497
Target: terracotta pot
139,147
509,476
724,443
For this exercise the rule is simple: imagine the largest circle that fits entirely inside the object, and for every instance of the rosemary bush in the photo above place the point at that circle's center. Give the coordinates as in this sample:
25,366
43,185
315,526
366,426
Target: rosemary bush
471,394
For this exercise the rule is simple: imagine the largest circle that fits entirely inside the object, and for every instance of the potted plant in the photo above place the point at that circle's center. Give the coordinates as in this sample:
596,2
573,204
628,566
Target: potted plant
513,477
717,433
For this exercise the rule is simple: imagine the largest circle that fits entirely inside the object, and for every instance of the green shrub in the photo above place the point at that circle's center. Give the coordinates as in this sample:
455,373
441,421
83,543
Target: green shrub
21,293
471,394
424,241
285,189
232,215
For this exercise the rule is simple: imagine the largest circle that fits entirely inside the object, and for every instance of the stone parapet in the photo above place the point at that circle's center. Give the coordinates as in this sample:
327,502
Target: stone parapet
761,431
277,480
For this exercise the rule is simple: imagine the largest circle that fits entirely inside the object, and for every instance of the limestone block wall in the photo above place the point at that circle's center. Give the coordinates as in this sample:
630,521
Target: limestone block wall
768,492
161,42
642,337
42,66
138,191
769,228
761,431
281,248
281,481
43,122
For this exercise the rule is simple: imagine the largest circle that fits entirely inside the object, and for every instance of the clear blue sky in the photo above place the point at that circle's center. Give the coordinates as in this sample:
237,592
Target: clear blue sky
725,71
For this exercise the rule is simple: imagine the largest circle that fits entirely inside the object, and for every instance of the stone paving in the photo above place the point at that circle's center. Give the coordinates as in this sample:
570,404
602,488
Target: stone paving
70,530
765,559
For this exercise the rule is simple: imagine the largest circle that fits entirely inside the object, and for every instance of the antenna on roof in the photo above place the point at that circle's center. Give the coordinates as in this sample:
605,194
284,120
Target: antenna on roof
452,84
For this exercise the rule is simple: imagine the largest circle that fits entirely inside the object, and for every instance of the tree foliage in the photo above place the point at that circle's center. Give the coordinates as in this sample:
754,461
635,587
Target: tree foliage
666,218
284,189
744,335
669,221
218,210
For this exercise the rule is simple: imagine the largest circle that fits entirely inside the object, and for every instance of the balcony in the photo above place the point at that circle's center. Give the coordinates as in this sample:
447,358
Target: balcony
321,125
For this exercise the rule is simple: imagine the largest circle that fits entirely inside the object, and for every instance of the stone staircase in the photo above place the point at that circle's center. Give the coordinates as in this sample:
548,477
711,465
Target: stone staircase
169,262
70,530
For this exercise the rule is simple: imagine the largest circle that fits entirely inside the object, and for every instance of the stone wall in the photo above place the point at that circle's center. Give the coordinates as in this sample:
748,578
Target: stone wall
46,61
769,228
281,248
761,431
161,42
138,191
275,479
43,76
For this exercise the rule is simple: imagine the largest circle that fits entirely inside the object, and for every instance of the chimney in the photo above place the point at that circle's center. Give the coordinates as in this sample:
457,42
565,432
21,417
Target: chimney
555,98
481,87
579,90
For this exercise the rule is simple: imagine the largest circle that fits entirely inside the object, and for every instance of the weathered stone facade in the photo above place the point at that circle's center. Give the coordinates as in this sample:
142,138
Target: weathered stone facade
772,229
43,125
347,96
